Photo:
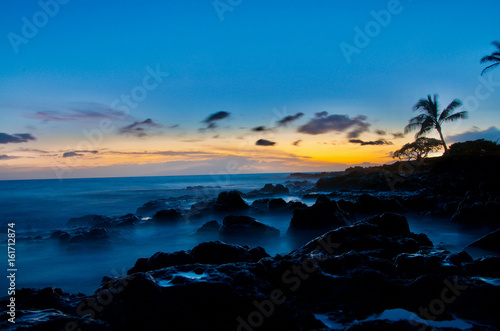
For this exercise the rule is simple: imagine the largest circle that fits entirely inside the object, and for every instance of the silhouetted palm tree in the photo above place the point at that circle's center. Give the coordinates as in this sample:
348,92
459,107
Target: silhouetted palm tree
431,119
494,57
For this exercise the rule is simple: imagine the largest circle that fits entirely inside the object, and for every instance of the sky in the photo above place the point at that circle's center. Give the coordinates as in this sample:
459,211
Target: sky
152,88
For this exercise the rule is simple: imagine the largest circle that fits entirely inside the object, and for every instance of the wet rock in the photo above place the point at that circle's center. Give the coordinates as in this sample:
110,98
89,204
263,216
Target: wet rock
490,242
126,220
369,204
60,235
151,207
245,227
230,201
217,252
171,216
95,235
211,227
324,215
161,260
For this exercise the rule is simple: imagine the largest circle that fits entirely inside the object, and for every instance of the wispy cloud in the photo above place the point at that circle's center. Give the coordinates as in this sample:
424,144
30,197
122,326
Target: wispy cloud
338,123
260,129
290,118
492,133
15,138
264,142
374,143
8,157
297,142
140,129
398,135
211,120
380,132
77,111
71,154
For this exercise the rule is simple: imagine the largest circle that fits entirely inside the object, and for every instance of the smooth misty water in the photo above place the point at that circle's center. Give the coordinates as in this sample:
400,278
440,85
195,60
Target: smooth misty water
40,206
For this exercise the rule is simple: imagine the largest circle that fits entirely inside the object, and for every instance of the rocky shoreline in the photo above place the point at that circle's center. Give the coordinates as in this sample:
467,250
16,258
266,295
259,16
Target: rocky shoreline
358,267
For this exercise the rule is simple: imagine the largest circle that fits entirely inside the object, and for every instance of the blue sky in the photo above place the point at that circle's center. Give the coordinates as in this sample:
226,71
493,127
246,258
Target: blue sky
262,61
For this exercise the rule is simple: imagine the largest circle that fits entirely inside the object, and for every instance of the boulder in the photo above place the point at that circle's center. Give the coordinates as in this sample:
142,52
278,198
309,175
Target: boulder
246,227
216,252
490,242
211,227
151,207
324,215
230,201
171,216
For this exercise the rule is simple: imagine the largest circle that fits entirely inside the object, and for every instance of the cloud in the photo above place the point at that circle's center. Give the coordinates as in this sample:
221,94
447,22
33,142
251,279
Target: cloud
339,123
260,129
8,157
78,111
71,154
264,142
374,143
380,132
321,114
492,133
213,118
140,129
398,135
290,118
15,138
296,143
78,153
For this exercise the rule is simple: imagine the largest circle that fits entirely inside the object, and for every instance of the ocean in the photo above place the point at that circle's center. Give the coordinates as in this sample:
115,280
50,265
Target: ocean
38,207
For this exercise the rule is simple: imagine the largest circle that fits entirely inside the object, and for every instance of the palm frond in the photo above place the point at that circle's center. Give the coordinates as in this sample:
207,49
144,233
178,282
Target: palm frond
425,127
450,109
488,68
495,57
458,116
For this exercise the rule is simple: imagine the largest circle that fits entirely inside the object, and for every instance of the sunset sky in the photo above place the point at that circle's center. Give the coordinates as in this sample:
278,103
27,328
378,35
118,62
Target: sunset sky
140,88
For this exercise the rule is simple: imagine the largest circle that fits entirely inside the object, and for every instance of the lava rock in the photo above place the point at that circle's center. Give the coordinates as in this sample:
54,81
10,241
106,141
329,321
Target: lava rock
245,227
167,216
230,201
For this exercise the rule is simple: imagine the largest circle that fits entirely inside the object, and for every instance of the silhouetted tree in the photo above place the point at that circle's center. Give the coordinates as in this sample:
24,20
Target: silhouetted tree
418,149
432,119
493,57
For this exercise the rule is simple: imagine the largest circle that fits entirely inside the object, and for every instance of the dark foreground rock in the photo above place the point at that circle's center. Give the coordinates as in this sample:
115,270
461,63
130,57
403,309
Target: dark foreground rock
246,227
371,275
324,215
490,242
229,201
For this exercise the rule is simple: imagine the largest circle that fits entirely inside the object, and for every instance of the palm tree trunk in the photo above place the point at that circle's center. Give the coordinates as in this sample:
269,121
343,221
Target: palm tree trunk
438,128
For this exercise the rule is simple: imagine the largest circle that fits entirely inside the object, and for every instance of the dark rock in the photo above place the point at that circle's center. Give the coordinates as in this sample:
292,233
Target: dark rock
490,242
161,260
324,215
151,207
127,220
209,227
95,235
216,252
374,235
246,227
275,204
369,204
60,235
230,201
167,216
